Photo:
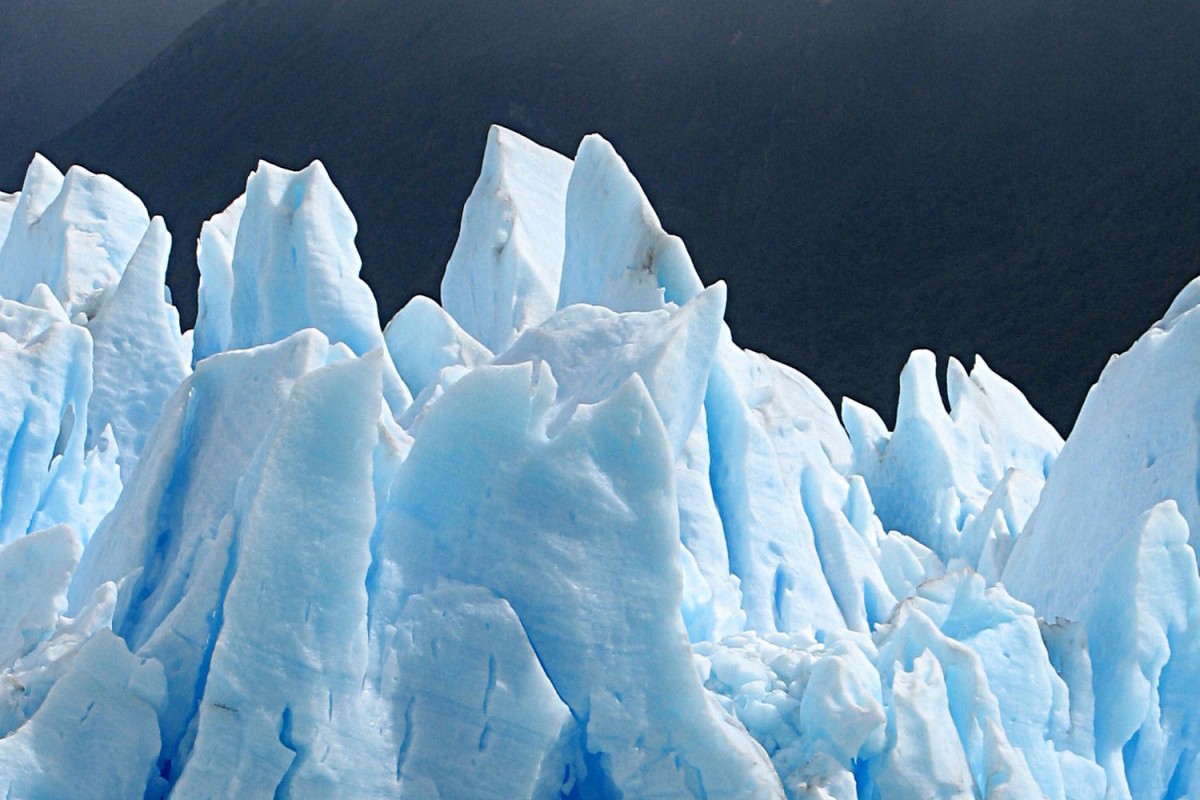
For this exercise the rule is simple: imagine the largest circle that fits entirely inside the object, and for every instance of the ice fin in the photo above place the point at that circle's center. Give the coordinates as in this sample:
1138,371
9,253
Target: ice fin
617,254
504,273
423,339
74,233
138,362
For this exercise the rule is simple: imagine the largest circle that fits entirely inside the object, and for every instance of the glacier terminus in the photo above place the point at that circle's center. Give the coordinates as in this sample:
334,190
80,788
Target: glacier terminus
556,537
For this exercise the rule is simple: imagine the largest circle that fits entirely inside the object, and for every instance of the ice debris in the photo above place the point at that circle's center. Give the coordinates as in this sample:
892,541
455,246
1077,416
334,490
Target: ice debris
603,552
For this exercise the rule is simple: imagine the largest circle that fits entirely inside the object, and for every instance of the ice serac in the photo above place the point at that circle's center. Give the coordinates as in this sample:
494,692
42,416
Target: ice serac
1145,650
96,735
170,544
75,234
1107,548
8,205
933,476
279,713
422,340
139,358
503,275
1012,712
34,571
921,762
214,257
578,532
616,253
780,501
772,448
498,729
591,351
45,385
1135,444
293,266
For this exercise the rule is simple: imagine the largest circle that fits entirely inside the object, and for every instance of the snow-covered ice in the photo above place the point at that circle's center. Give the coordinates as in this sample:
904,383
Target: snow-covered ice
558,537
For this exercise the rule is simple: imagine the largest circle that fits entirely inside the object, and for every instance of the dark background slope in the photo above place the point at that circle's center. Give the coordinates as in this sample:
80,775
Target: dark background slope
1019,179
59,59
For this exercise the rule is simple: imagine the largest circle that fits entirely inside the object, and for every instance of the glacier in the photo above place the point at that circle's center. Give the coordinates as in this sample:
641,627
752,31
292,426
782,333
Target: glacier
556,537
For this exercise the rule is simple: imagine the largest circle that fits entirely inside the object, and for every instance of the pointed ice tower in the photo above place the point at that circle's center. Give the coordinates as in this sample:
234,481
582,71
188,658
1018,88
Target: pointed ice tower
504,272
292,265
139,353
75,234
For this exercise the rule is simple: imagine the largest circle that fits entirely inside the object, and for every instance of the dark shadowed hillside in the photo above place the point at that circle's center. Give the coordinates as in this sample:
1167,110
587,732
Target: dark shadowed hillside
59,59
1020,179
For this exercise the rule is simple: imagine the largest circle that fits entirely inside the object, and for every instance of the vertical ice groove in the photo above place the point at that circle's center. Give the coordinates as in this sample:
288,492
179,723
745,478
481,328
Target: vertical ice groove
13,478
174,755
283,791
406,742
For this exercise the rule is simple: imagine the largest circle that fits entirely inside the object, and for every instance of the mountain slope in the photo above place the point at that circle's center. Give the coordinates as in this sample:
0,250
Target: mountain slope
59,59
1019,180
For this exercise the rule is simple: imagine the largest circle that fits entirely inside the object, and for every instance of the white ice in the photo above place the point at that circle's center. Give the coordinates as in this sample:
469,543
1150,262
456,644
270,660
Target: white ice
604,552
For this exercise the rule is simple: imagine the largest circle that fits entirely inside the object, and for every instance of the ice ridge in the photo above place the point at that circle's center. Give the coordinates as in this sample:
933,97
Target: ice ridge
558,537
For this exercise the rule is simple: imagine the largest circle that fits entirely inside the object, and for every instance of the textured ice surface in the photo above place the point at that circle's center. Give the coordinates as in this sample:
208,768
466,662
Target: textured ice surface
74,233
281,259
503,275
1136,443
603,553
140,358
961,482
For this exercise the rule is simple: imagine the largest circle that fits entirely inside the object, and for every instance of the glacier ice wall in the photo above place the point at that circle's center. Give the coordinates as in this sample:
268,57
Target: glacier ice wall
559,537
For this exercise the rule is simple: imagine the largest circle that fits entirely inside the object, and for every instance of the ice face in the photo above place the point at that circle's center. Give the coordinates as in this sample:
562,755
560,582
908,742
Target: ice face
604,552
504,273
961,482
74,233
537,520
500,714
139,356
1134,445
292,265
